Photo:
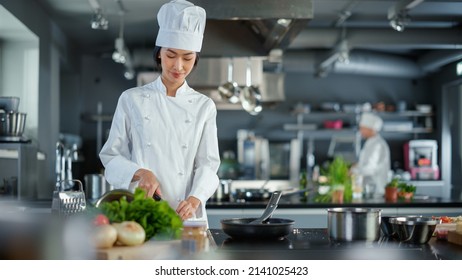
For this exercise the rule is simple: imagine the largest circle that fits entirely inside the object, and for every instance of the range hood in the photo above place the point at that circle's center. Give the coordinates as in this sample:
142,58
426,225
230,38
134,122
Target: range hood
272,23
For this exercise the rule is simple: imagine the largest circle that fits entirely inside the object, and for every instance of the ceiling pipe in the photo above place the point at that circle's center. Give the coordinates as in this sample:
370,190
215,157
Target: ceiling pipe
360,62
434,60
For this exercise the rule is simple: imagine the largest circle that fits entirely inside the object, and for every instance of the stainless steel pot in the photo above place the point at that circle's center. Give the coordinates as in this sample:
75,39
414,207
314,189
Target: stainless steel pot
351,224
95,186
12,123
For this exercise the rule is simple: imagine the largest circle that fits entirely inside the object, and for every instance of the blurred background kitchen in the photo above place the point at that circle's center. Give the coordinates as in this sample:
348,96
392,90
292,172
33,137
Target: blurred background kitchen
316,65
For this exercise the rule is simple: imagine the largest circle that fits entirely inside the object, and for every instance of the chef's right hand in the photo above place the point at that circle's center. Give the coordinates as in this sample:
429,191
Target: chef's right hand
147,181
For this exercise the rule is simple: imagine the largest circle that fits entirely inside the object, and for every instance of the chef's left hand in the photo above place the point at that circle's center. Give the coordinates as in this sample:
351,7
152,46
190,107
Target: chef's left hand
187,208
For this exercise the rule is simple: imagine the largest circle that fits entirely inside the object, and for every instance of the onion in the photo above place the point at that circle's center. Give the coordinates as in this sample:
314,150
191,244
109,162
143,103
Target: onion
130,233
104,236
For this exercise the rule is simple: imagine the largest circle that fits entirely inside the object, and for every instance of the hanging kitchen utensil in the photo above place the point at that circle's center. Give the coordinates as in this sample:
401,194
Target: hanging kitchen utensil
272,228
230,90
250,96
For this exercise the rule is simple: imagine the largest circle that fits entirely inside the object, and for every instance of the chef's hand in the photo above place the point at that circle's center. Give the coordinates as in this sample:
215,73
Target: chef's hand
147,181
187,208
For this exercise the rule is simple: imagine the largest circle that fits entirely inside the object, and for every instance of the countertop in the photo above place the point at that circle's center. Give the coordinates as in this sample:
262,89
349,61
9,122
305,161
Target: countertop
314,244
295,202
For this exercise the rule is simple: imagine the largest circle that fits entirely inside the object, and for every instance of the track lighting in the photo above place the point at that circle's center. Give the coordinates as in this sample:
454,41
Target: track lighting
98,21
400,20
398,13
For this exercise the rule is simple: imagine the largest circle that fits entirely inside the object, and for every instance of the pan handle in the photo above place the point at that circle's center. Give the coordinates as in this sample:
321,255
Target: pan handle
270,207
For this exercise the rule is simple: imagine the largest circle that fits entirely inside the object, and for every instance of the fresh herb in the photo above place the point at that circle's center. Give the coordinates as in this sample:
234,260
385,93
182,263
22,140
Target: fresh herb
338,172
394,183
156,217
407,188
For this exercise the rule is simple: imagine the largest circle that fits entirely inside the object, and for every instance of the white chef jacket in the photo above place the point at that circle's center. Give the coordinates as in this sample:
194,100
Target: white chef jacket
174,137
374,162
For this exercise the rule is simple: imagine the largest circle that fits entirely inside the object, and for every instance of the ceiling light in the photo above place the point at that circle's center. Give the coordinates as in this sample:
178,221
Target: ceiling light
398,13
98,21
399,21
284,22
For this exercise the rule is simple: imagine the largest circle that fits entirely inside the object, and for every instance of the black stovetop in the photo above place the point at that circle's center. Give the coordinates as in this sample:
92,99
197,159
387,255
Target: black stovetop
315,244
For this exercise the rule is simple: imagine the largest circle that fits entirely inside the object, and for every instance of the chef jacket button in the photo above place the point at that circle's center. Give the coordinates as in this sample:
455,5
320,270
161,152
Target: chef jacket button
149,144
187,121
180,173
147,95
190,101
147,118
184,146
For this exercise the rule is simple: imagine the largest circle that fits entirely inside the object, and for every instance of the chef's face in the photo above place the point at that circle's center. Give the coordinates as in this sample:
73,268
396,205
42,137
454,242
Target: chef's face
366,132
176,64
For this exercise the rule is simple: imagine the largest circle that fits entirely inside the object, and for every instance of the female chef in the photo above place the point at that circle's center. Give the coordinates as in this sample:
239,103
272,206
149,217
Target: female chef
163,137
374,157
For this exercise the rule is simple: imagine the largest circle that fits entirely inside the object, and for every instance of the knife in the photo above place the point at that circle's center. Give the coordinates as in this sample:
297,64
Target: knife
157,197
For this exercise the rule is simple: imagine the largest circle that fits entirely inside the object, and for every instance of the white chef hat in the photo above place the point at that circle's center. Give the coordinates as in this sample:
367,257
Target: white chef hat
181,26
371,121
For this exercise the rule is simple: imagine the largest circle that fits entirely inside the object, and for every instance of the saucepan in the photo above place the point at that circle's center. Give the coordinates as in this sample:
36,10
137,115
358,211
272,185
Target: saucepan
352,224
264,227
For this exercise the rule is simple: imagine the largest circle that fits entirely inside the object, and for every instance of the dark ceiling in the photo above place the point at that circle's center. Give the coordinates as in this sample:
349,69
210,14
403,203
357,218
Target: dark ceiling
317,29
433,24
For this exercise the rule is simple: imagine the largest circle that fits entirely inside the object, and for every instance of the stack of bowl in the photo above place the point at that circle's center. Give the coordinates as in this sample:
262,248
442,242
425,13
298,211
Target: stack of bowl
412,229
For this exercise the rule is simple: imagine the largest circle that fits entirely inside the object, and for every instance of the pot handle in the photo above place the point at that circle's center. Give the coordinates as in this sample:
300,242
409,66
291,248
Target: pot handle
270,207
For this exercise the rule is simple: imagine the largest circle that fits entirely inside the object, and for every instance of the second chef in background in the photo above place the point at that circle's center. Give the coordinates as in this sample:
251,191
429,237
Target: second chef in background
374,158
163,137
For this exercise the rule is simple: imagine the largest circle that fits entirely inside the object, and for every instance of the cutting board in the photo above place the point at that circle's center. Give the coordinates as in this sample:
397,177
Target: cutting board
455,237
150,250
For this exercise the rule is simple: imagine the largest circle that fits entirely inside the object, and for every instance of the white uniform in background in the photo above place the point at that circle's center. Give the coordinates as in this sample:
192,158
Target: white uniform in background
374,162
174,137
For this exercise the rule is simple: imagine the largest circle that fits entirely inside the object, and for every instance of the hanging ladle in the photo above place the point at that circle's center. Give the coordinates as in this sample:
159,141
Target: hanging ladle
270,207
230,90
250,95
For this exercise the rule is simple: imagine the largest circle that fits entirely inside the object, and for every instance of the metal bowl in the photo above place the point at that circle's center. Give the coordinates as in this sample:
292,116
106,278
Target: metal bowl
386,226
12,123
116,194
417,230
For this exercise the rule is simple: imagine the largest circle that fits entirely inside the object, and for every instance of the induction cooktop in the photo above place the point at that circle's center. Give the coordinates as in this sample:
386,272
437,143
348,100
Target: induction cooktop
315,244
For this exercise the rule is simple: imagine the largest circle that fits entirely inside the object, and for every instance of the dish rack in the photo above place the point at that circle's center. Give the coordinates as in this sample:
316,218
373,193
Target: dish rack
68,202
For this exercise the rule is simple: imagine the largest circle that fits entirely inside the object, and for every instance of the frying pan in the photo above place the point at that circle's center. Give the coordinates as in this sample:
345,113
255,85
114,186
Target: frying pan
269,228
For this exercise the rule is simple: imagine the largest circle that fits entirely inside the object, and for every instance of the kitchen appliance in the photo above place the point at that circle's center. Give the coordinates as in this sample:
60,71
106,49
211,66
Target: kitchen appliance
12,122
421,159
253,155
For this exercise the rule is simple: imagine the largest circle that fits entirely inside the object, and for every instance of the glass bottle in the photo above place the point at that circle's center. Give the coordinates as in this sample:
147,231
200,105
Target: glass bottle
303,182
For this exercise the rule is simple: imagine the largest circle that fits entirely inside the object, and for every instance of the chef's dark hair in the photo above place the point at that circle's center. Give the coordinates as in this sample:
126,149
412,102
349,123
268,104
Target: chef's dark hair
159,63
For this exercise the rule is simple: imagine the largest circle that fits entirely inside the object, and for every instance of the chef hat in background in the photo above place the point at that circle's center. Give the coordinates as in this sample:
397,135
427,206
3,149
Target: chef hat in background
371,121
181,26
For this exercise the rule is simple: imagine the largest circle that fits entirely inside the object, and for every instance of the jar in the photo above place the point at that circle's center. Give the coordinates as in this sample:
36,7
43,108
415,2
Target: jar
194,237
